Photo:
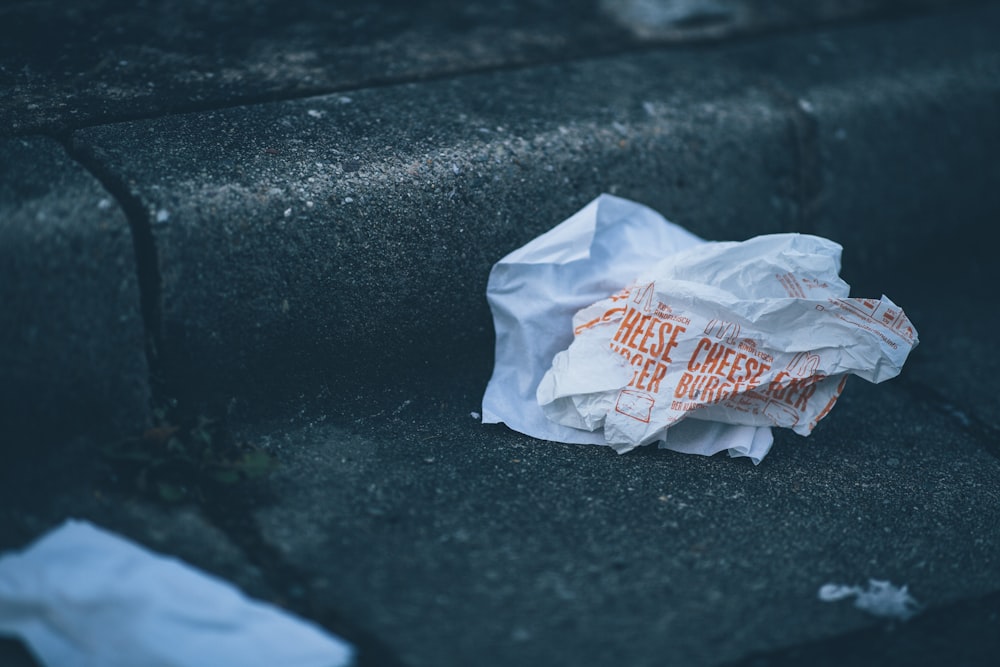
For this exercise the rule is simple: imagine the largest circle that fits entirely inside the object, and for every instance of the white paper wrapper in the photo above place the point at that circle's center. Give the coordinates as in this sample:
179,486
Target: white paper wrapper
759,333
534,293
83,597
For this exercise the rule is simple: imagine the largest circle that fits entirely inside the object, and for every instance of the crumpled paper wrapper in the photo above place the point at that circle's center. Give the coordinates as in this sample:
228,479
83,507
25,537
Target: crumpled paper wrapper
620,328
535,291
758,333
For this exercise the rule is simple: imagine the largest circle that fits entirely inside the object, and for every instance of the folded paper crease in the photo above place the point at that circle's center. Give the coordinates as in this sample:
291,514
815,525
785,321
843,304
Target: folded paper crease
534,293
620,328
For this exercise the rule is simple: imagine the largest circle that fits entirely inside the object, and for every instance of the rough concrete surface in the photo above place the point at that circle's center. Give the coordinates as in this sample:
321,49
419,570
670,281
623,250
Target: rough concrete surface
317,232
897,135
309,277
447,542
71,333
954,365
461,544
349,238
530,552
69,63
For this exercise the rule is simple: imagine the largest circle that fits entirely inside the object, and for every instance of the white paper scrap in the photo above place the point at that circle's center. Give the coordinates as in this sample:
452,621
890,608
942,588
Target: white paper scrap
759,333
881,598
83,597
535,291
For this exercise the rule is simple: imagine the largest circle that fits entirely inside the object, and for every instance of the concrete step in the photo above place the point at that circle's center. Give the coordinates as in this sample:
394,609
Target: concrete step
71,332
350,338
68,65
427,538
345,240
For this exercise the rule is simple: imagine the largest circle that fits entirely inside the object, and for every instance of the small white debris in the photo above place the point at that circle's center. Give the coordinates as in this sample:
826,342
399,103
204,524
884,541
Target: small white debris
310,204
288,212
348,200
315,113
162,216
833,592
475,415
344,100
104,204
806,106
881,598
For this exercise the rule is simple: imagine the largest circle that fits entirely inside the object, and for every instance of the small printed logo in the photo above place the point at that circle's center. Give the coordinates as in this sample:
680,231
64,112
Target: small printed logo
813,283
803,364
635,404
728,331
781,415
642,297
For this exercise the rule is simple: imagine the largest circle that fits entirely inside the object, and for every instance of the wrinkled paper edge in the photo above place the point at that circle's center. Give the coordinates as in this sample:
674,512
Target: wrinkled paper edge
569,242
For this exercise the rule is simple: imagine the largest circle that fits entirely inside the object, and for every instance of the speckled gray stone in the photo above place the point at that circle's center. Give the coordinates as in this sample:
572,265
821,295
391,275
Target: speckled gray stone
68,64
950,292
332,253
71,334
459,543
346,239
899,136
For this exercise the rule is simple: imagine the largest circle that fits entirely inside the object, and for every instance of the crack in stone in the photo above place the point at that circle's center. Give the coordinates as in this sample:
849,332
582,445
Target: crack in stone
230,512
803,128
146,255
